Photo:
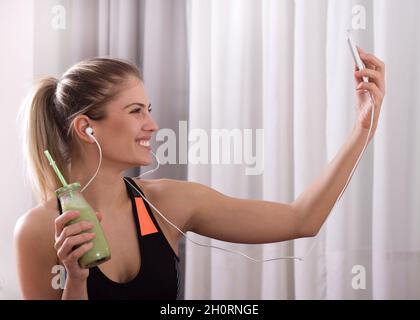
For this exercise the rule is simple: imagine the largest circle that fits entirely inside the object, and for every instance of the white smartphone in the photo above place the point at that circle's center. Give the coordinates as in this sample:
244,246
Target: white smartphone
355,53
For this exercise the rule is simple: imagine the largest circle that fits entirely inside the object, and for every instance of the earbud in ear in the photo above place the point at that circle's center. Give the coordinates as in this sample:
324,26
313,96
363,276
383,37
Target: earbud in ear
89,131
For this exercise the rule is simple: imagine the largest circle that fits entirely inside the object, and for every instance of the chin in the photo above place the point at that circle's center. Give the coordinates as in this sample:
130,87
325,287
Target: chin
146,163
146,160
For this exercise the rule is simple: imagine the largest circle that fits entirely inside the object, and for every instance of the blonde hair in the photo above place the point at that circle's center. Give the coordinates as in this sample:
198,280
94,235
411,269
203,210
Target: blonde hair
50,108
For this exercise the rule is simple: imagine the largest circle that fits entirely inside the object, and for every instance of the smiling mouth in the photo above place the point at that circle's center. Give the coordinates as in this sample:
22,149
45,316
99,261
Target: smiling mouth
144,143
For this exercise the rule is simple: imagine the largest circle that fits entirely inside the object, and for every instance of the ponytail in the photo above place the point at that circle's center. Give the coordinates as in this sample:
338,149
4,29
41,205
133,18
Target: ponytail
42,133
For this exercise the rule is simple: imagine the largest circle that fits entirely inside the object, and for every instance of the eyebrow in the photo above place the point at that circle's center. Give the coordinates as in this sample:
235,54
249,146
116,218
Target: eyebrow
137,103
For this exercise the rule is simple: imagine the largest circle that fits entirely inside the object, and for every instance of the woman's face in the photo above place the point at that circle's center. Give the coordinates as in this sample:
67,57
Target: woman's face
125,134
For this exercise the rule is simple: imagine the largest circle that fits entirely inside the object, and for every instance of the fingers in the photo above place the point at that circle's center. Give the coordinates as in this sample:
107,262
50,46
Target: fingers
71,230
373,89
63,219
99,216
77,254
370,59
357,77
373,75
375,71
69,243
72,240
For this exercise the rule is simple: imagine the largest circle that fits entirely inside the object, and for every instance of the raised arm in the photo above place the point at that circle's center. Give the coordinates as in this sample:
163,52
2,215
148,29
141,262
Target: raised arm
252,221
316,202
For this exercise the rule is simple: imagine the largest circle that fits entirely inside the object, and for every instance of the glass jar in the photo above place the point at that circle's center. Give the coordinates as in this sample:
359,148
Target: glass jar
71,199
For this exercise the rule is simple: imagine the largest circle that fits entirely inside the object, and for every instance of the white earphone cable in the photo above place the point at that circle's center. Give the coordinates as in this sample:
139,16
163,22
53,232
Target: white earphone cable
99,165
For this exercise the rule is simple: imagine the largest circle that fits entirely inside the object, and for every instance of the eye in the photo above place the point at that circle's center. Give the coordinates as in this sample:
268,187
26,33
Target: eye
150,109
137,110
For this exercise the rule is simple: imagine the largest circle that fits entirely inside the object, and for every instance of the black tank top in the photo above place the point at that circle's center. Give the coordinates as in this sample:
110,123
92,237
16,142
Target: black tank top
158,277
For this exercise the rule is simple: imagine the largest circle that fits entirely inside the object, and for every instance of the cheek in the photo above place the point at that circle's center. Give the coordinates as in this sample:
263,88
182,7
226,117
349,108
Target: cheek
118,138
122,127
115,147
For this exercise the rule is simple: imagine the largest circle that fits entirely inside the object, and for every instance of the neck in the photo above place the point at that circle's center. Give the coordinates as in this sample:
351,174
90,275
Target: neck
107,192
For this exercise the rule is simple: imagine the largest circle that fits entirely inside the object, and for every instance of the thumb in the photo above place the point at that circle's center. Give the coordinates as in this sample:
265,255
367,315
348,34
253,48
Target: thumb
99,216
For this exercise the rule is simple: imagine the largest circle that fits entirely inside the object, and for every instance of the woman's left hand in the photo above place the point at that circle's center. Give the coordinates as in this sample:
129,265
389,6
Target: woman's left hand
375,71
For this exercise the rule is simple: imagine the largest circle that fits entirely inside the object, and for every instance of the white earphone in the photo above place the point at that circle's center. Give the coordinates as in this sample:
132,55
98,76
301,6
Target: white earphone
89,131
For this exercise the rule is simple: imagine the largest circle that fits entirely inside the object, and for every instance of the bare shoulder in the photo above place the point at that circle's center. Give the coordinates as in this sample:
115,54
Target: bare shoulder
174,198
37,223
40,215
35,252
171,187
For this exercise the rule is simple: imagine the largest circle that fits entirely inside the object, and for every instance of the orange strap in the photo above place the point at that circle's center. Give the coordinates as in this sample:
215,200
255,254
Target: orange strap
146,224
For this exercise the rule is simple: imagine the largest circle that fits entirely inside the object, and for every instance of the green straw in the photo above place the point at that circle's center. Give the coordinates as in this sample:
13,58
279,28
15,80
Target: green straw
57,172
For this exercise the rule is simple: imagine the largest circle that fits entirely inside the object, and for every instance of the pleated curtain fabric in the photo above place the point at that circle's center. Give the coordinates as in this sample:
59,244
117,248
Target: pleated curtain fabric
285,67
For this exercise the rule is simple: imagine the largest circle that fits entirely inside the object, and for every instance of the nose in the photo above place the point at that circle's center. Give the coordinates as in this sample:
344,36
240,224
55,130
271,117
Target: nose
150,124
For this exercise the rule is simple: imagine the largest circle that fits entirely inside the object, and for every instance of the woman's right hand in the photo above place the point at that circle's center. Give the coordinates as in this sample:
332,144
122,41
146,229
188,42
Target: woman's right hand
70,236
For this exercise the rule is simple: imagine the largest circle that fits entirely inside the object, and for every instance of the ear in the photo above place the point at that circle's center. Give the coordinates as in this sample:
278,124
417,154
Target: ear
80,123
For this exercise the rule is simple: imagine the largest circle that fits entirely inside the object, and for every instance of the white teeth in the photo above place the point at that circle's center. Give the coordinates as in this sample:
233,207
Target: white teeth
145,143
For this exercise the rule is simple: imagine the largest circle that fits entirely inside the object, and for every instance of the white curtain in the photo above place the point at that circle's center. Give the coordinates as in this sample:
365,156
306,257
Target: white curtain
14,79
48,37
284,66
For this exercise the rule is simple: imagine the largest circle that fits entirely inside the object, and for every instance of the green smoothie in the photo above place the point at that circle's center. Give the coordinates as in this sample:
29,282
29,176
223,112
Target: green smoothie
72,200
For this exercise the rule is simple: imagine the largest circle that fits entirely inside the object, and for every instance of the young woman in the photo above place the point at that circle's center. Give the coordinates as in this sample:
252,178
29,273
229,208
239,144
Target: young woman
108,95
